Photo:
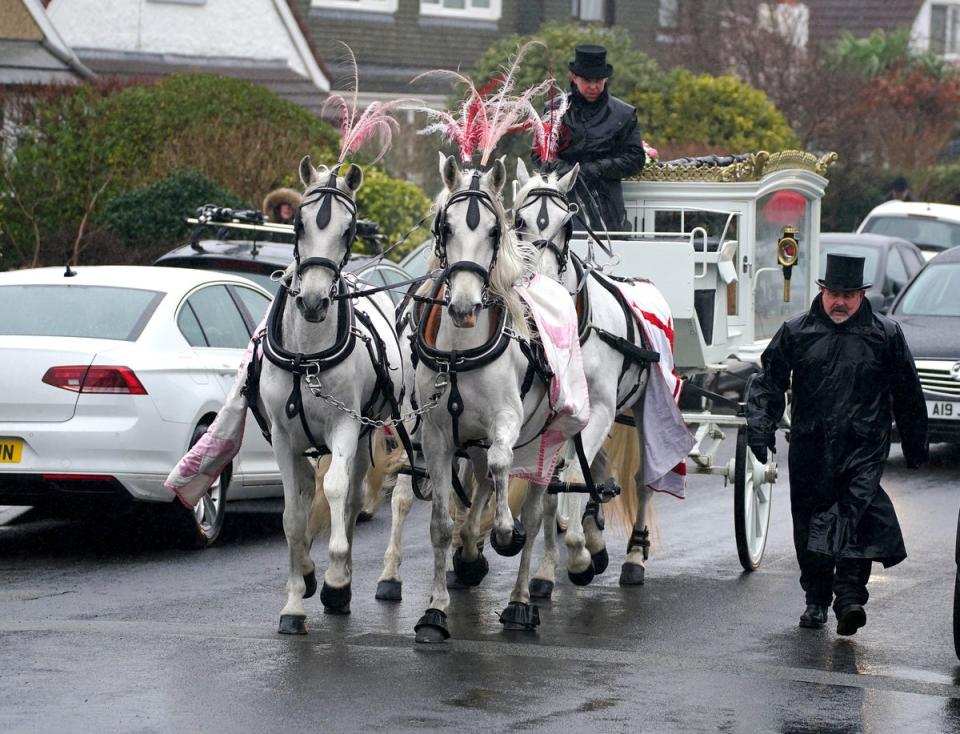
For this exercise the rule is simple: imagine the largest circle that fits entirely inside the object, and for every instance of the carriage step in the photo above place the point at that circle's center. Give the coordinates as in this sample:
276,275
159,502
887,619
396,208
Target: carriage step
607,491
625,420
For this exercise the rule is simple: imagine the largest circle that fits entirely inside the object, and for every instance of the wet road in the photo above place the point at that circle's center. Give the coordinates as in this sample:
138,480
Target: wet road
104,631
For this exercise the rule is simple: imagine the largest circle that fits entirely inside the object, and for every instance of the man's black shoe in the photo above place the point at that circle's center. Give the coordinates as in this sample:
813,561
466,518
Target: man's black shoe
814,616
850,619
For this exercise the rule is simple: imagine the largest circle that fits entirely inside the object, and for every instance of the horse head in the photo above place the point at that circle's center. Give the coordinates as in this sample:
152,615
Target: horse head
543,215
470,232
325,227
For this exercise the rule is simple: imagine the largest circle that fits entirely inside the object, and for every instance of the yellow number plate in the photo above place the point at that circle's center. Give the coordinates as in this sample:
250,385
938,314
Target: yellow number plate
11,449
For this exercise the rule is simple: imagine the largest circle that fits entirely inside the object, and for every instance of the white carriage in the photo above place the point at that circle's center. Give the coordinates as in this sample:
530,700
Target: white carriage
717,242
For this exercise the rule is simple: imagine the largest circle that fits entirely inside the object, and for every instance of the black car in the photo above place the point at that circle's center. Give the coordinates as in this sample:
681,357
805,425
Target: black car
891,262
928,311
240,242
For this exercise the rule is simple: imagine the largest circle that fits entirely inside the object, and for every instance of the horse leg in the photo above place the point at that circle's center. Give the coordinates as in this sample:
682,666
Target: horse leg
432,626
581,564
298,484
638,547
508,536
541,585
469,564
520,614
342,493
593,521
389,586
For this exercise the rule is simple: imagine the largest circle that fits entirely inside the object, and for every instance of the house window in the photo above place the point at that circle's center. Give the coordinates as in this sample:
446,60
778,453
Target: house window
479,9
376,6
945,29
668,15
588,10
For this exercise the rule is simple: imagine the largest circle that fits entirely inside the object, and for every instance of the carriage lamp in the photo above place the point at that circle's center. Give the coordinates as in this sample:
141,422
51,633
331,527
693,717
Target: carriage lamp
788,250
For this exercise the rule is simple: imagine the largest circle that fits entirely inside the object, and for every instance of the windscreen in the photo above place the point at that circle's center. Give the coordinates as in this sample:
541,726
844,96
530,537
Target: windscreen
924,232
99,312
934,292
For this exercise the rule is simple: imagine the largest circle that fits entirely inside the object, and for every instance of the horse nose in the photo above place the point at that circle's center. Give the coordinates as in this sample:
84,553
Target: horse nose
464,318
313,310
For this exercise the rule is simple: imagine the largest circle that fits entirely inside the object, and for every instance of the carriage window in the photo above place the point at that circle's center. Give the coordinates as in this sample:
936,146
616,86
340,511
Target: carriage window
479,9
376,6
774,212
222,324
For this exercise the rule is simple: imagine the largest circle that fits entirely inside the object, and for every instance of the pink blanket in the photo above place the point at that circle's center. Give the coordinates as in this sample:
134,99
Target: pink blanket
667,441
556,318
196,472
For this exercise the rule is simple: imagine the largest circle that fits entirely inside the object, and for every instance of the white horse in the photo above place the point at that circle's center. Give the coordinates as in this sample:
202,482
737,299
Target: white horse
332,362
543,217
478,353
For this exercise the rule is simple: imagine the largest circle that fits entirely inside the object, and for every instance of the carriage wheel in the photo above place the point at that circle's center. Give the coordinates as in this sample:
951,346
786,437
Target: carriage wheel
752,496
956,614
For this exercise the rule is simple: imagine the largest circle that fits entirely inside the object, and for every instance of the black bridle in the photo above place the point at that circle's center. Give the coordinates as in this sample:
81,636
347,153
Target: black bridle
544,194
441,231
325,194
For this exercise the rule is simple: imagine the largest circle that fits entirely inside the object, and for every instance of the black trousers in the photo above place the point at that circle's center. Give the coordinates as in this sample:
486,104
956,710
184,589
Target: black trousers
844,581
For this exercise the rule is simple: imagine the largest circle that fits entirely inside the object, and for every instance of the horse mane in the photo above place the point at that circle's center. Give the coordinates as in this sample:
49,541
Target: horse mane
516,261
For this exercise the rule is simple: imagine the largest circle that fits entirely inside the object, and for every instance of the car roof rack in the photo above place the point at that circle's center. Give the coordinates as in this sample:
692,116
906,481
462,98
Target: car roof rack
222,218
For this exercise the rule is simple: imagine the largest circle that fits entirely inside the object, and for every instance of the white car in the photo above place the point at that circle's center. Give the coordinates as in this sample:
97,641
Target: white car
931,227
109,375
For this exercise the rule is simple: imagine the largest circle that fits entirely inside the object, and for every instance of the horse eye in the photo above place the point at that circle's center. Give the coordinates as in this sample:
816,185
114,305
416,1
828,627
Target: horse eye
495,231
520,224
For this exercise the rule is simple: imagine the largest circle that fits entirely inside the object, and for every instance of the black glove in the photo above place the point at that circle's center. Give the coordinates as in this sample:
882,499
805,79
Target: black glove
760,451
591,169
759,447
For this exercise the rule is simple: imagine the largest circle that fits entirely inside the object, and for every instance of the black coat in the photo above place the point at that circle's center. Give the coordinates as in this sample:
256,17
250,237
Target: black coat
846,380
604,138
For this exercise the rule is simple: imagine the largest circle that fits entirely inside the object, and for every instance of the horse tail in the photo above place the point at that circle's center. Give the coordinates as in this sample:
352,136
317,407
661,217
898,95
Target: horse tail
623,464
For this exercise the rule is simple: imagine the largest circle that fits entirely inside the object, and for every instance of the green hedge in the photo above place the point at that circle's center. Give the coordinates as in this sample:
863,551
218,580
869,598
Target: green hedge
396,206
82,146
156,213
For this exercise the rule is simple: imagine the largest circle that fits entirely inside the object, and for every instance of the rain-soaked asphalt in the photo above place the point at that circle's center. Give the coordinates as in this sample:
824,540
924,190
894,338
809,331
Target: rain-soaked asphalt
101,631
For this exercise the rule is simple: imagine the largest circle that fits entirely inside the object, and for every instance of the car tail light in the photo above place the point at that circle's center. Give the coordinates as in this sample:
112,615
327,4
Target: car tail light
96,379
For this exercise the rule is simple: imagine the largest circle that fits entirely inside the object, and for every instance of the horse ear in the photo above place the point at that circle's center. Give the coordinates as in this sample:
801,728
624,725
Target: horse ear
449,171
496,177
354,177
522,176
308,174
569,179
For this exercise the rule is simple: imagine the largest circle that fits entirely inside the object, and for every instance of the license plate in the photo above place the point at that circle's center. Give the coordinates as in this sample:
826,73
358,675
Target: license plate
11,449
943,410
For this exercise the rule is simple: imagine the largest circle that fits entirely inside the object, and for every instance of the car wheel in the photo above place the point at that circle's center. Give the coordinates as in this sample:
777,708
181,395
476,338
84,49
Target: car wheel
200,528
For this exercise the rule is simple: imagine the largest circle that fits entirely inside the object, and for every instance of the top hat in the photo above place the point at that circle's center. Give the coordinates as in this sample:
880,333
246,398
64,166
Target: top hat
844,273
591,62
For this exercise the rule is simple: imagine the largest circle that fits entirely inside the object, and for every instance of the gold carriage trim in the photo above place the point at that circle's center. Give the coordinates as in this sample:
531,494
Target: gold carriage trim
753,168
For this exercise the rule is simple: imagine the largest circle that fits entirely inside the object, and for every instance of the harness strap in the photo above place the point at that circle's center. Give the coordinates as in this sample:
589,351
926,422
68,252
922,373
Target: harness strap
251,389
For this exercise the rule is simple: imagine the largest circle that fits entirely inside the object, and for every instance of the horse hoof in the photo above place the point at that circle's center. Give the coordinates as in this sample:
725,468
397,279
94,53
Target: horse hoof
583,577
335,601
470,573
631,574
520,616
388,590
293,624
600,560
364,516
432,627
541,589
454,583
310,579
518,539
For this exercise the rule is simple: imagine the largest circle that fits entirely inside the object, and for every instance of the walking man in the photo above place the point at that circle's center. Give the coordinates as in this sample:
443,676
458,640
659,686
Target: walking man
849,367
601,133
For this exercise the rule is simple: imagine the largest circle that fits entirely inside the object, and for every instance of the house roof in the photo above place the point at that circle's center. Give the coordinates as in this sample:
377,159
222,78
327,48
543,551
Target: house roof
830,18
31,50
